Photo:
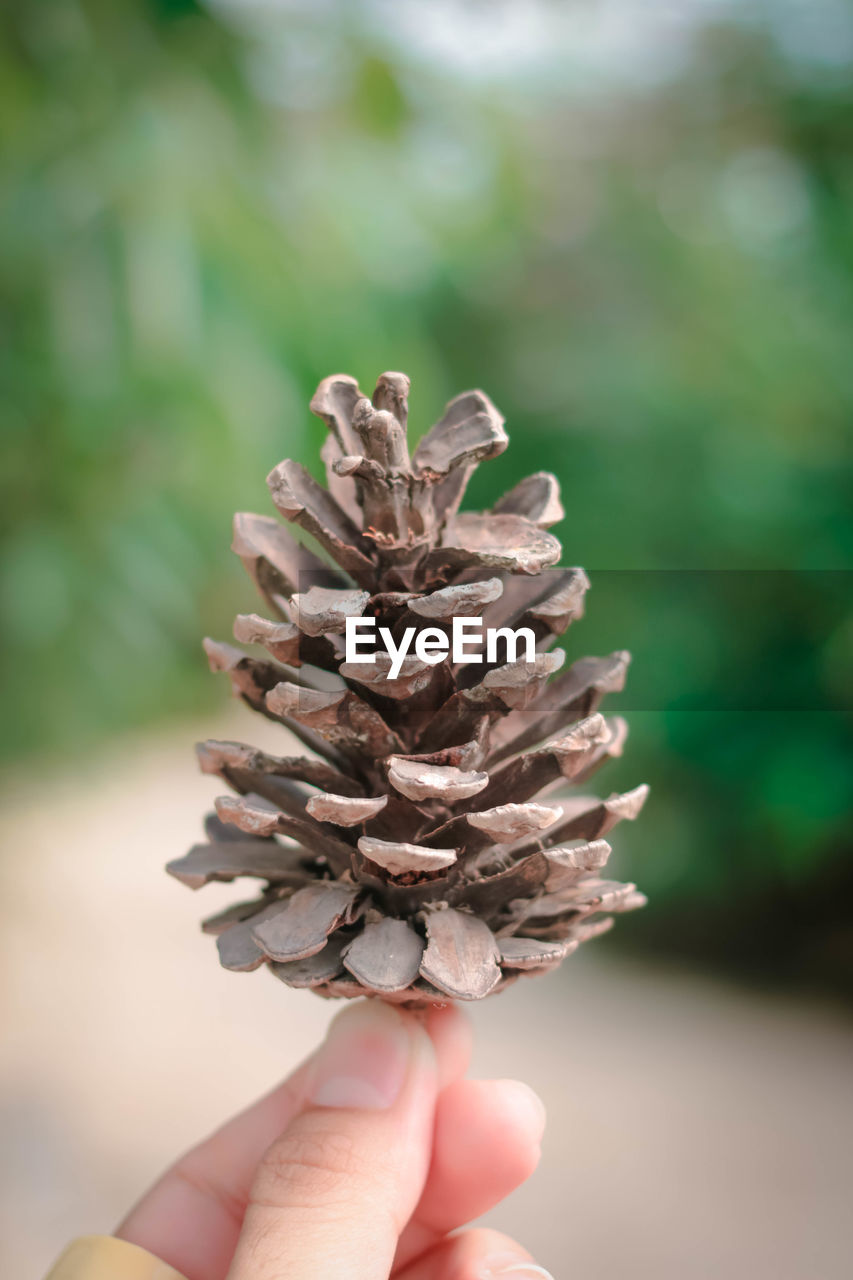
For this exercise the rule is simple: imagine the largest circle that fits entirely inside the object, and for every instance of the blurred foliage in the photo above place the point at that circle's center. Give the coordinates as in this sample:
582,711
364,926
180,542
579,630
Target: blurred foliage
638,242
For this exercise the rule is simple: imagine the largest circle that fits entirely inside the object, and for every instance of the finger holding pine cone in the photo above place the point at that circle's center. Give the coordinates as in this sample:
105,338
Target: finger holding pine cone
438,841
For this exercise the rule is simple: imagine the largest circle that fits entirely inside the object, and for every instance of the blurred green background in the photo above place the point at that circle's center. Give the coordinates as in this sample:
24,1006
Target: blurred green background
630,224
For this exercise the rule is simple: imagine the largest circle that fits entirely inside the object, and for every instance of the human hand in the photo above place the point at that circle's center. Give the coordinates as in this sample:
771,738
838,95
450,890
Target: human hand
358,1167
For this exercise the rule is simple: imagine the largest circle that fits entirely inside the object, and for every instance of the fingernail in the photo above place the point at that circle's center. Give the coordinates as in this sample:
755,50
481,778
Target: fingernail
364,1059
508,1268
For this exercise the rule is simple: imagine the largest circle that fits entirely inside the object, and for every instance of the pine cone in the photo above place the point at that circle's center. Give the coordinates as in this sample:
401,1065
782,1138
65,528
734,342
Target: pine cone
427,848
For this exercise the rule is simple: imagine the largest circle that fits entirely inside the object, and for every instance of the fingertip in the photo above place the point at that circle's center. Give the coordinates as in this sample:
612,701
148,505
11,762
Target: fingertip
487,1142
449,1028
520,1106
374,1012
498,1122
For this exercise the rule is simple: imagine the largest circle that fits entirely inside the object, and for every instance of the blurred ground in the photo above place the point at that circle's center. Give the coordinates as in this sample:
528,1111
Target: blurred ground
694,1131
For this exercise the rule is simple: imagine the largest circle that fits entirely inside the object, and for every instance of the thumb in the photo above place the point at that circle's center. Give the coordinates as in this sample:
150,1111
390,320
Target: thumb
334,1191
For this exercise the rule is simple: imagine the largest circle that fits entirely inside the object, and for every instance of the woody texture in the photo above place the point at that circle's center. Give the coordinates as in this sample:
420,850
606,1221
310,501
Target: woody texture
437,839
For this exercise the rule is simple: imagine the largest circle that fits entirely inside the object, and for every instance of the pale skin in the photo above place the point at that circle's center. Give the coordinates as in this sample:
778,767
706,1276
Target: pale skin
365,1164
